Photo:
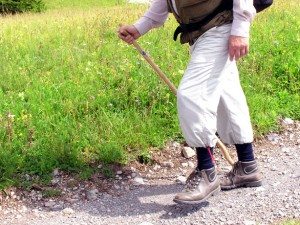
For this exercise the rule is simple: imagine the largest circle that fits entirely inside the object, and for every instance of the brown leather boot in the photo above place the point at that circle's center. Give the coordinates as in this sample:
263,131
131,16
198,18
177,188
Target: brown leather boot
243,174
200,186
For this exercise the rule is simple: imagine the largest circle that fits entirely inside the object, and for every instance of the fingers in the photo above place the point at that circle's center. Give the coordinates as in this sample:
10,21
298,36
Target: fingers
126,37
129,39
235,53
232,54
238,47
125,34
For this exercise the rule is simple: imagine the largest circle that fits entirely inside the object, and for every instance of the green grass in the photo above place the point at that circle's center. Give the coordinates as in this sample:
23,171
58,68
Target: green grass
59,4
271,73
291,222
72,94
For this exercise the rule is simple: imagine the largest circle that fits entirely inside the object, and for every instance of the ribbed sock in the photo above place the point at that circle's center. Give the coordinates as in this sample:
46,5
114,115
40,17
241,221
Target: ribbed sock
205,158
245,152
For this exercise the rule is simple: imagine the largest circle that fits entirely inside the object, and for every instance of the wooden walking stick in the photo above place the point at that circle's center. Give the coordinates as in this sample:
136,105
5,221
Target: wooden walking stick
174,90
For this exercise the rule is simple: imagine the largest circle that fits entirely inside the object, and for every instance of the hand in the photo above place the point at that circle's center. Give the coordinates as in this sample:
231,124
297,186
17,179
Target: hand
238,47
128,33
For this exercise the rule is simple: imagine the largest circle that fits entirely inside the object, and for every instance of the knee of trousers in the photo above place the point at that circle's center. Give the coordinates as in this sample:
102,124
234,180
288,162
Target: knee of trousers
197,122
235,133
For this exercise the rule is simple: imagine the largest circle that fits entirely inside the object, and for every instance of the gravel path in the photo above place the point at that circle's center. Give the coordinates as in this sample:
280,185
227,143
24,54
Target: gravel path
151,204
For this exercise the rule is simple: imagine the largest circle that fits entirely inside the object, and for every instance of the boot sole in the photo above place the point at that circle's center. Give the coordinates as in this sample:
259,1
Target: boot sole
245,185
213,193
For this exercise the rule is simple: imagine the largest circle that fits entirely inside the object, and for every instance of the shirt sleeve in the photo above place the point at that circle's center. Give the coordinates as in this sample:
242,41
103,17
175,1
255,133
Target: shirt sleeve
154,17
243,13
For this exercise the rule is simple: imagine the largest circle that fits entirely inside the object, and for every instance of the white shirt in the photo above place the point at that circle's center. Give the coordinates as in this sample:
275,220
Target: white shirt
243,14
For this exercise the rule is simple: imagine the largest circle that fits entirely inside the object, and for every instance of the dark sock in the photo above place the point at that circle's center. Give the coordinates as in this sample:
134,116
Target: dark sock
205,158
245,152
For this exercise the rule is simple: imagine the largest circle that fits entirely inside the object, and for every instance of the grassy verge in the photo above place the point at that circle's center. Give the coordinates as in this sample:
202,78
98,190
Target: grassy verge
72,94
291,222
271,73
82,4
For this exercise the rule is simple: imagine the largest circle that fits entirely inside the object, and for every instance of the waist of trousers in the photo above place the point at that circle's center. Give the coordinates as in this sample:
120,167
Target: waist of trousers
193,41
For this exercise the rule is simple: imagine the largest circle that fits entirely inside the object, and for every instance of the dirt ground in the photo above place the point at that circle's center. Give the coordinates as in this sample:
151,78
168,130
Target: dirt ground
141,193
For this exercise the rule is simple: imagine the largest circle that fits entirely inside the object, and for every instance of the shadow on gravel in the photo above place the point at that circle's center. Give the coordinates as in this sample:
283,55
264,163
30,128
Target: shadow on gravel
142,201
179,211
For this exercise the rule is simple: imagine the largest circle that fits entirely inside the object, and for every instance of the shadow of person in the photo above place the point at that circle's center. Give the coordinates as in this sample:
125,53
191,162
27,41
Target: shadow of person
182,210
142,201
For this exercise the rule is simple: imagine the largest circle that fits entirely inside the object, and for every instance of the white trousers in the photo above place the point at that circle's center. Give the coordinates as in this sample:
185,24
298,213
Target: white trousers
210,98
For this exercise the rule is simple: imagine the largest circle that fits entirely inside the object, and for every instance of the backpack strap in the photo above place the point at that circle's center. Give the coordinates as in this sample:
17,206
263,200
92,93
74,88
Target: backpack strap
260,5
190,27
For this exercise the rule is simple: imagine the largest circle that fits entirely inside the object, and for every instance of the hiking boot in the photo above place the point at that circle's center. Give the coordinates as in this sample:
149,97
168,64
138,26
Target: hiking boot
243,174
200,185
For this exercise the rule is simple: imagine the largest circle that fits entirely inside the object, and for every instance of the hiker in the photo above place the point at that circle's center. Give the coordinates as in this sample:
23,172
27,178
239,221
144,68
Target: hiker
209,98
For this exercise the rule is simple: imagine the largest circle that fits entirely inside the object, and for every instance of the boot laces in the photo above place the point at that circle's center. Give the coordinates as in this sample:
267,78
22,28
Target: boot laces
234,171
193,180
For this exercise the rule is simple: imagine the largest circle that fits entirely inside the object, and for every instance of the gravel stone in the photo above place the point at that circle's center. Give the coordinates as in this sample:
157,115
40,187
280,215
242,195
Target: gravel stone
249,222
288,121
55,181
188,152
156,167
184,165
138,181
92,194
57,207
176,145
168,164
68,211
181,179
191,164
55,172
49,204
273,137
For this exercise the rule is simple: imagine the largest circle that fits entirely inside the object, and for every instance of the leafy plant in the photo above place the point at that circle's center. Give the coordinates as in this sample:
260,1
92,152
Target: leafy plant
19,6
